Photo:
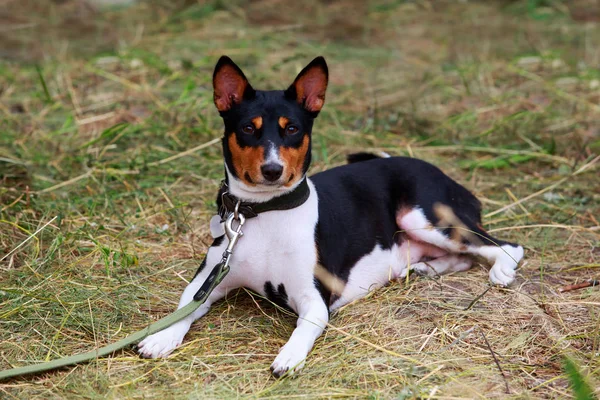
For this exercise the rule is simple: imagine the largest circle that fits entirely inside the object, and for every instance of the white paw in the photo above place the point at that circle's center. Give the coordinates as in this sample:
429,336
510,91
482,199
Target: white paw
503,271
289,360
161,344
403,272
421,268
502,274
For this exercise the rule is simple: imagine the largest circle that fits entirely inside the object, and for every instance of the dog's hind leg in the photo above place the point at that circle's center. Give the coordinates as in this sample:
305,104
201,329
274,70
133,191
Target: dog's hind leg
443,265
162,343
461,234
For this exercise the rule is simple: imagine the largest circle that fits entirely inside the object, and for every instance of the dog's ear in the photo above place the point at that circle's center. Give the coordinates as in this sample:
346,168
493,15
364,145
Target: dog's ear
230,85
310,85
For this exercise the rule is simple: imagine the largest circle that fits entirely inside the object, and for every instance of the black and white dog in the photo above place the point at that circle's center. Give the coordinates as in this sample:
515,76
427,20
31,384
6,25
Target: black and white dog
315,244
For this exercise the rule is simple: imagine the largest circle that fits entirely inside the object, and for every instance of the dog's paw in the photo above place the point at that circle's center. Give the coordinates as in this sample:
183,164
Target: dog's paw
422,269
503,271
502,274
290,360
401,274
161,344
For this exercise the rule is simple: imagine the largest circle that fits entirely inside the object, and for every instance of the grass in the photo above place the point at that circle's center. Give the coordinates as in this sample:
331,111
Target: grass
107,125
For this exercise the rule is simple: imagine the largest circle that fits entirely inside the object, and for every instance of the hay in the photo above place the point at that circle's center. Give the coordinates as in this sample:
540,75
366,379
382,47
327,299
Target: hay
121,147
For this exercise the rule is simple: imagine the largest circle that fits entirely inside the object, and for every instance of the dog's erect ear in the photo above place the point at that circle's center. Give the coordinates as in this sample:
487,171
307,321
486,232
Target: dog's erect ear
230,85
310,85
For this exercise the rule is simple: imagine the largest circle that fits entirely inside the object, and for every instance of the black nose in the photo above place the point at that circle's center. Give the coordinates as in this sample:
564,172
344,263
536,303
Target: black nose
271,171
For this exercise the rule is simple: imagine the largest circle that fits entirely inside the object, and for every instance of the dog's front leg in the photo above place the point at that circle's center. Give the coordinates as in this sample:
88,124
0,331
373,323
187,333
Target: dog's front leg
313,316
162,343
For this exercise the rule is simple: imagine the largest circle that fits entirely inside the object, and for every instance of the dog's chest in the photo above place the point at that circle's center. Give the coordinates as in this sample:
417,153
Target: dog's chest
277,253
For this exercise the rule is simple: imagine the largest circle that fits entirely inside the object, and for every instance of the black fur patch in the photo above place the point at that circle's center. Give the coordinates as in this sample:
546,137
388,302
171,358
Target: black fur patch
358,203
325,293
359,157
278,296
217,242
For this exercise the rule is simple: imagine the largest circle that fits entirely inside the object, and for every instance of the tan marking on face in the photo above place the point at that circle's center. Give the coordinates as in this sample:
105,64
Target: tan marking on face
246,161
257,122
293,159
283,121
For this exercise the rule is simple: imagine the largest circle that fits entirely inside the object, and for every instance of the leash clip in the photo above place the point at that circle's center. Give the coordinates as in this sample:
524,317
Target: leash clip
233,234
222,268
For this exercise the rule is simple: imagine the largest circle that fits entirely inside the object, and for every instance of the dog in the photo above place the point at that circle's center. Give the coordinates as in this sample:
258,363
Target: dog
315,244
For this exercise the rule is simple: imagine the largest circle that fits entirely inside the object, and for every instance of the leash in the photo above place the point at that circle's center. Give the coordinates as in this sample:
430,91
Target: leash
104,351
214,278
230,209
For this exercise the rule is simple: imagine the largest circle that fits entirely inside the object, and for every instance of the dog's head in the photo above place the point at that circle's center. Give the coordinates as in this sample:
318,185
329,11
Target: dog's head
267,138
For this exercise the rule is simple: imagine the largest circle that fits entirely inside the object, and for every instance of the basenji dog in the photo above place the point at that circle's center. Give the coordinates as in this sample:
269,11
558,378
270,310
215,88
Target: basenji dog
315,244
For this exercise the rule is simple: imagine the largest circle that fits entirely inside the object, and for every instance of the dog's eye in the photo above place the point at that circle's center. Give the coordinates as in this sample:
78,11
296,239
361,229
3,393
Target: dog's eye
248,129
291,129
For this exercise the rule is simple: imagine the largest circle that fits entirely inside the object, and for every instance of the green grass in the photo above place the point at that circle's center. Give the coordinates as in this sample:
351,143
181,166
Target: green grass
581,388
97,117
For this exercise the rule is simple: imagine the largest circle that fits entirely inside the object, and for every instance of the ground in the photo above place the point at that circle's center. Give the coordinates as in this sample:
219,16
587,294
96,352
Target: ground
109,145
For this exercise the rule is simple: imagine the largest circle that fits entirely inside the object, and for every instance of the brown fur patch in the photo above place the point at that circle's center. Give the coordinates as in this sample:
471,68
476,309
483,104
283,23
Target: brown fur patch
294,160
330,281
460,231
246,161
229,87
257,121
310,89
283,121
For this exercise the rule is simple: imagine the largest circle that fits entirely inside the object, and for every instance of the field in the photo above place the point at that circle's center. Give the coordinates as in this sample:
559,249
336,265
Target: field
110,147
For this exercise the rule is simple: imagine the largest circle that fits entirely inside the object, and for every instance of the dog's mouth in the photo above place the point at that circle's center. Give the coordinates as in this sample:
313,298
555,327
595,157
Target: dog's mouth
284,181
261,184
260,188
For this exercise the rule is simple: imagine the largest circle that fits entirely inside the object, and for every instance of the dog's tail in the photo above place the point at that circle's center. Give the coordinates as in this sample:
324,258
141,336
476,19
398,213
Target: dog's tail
363,156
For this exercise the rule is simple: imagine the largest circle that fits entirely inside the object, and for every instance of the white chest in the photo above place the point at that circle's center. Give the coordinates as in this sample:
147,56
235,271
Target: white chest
277,247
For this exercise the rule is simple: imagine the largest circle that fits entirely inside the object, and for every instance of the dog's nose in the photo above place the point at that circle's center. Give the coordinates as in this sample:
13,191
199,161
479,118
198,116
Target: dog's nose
272,171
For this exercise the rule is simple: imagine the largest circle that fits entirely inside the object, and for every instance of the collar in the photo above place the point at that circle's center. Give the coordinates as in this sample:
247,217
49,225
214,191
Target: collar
227,202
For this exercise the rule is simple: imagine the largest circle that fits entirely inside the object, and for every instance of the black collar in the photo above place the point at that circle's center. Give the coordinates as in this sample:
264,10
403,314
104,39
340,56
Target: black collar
226,201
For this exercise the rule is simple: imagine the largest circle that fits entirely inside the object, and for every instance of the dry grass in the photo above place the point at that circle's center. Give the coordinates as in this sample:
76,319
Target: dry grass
502,96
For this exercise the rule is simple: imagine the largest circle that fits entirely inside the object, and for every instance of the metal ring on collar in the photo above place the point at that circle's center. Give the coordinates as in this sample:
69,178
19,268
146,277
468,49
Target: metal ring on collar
236,211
